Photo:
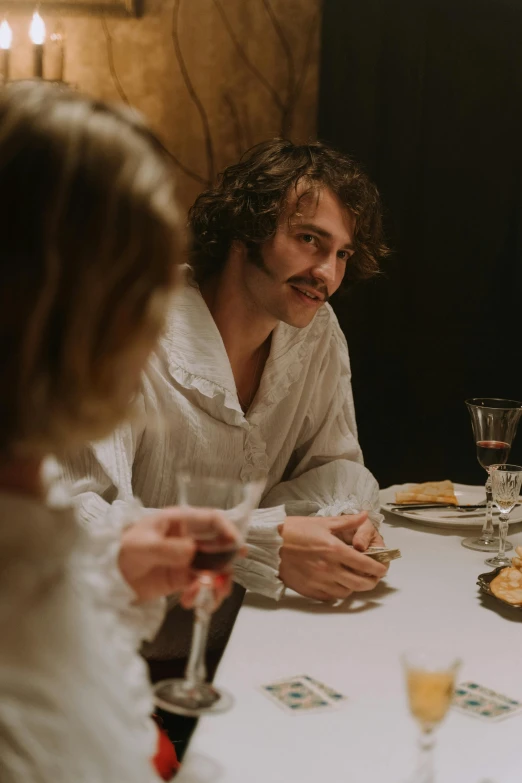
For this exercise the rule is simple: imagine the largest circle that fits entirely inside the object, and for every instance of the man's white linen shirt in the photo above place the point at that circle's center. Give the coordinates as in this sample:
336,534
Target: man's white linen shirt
300,432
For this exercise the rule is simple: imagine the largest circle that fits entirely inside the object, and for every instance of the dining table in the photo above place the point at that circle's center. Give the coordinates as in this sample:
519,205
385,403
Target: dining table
429,598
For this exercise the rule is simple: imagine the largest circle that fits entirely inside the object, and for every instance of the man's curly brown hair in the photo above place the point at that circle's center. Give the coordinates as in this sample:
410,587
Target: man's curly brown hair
251,196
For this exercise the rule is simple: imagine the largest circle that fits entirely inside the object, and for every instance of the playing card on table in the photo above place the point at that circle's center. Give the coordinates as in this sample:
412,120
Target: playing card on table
475,699
302,694
330,693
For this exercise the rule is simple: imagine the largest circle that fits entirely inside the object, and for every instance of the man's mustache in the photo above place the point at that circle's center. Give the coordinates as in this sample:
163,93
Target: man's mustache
310,282
255,256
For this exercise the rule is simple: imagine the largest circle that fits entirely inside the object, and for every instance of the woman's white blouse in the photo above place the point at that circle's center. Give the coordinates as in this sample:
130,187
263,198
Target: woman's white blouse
75,699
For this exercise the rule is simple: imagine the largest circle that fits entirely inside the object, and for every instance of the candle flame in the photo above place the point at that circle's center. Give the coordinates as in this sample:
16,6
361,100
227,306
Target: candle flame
6,35
37,29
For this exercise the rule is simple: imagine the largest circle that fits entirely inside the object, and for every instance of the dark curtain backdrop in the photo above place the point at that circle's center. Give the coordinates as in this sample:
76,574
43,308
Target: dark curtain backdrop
427,95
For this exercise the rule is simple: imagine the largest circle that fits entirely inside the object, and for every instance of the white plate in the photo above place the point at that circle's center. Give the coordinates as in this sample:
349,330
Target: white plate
446,517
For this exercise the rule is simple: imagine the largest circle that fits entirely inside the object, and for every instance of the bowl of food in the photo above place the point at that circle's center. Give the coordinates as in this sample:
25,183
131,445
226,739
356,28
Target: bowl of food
505,584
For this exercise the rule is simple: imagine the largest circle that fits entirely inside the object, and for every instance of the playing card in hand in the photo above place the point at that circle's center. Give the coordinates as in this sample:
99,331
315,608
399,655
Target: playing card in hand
382,554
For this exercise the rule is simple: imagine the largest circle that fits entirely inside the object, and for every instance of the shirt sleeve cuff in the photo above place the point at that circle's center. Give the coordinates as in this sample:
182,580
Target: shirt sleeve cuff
142,618
102,542
351,506
259,570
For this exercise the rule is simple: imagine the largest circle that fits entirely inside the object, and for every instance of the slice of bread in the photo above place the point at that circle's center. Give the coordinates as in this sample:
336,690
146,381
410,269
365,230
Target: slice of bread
508,586
429,492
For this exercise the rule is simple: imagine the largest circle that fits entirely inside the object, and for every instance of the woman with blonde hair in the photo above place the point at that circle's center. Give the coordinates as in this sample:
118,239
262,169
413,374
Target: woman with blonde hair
89,250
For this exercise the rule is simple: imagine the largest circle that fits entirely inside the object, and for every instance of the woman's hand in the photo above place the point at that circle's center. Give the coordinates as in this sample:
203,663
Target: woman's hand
157,551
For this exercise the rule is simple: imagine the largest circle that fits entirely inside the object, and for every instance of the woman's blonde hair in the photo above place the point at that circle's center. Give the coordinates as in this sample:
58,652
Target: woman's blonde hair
90,242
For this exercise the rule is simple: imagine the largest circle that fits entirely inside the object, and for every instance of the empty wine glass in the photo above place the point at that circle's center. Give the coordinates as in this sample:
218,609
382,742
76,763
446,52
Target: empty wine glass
430,682
505,485
192,695
494,423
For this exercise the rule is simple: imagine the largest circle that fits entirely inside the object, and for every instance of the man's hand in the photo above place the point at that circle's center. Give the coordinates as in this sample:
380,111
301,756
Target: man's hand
316,561
157,551
363,537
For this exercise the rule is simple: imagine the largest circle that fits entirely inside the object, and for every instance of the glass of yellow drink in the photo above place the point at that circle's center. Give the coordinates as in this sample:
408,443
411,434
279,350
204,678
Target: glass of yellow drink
430,683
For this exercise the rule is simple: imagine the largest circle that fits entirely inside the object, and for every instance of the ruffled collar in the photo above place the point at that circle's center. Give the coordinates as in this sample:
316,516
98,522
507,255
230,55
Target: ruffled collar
56,495
193,342
36,538
197,358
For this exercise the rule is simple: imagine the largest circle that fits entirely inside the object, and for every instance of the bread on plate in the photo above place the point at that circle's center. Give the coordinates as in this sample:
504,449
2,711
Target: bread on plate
430,492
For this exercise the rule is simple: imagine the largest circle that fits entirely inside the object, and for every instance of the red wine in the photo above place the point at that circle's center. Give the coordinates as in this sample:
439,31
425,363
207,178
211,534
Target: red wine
492,452
212,561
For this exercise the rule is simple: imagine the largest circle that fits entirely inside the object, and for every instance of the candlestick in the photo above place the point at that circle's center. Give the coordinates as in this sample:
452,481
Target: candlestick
37,35
38,60
6,38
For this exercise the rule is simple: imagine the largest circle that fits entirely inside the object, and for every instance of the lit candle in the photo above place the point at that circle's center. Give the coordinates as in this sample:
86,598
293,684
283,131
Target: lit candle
37,36
6,39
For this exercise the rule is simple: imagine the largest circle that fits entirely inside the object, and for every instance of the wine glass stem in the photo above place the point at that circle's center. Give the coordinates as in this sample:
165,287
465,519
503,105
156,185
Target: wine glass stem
502,531
488,532
196,671
426,744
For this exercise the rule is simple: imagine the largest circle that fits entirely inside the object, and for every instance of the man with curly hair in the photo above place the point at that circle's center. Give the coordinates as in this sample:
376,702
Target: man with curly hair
253,374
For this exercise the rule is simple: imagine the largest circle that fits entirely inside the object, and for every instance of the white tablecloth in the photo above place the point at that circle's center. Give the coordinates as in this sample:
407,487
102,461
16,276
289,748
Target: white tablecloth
429,596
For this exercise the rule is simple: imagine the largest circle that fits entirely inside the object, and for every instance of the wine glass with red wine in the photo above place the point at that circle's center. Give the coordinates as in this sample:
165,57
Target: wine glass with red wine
494,423
193,695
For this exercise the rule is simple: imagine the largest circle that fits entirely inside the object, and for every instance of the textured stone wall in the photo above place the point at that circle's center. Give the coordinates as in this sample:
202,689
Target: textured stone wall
213,77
